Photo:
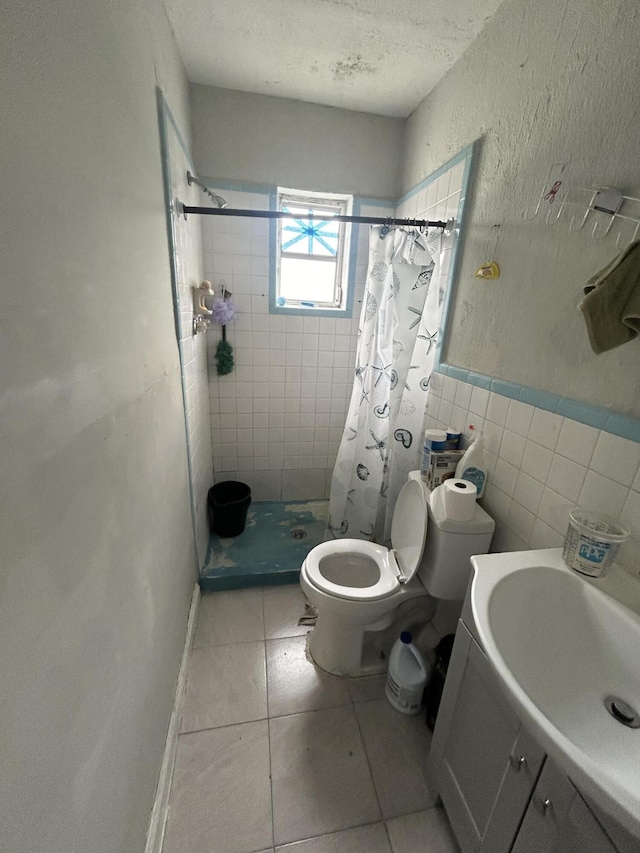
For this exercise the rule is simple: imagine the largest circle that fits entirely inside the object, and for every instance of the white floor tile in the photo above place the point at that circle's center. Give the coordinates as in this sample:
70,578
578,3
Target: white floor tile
362,839
424,832
220,796
368,688
229,617
320,777
283,606
397,746
225,685
295,684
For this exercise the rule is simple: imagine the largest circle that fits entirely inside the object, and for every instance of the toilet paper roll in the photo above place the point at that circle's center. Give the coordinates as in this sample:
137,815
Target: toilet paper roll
459,498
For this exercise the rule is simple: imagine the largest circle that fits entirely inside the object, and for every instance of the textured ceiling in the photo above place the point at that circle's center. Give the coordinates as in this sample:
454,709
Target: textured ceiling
377,56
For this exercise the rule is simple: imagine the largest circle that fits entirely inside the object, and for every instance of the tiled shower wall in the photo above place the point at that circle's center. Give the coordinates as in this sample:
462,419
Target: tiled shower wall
277,419
188,255
541,466
438,200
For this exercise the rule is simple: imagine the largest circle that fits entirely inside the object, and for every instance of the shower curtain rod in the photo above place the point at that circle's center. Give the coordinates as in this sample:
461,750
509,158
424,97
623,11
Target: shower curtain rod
183,209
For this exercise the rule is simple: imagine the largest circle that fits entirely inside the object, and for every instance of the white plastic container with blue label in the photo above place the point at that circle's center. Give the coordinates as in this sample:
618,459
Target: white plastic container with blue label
407,676
473,465
592,542
435,440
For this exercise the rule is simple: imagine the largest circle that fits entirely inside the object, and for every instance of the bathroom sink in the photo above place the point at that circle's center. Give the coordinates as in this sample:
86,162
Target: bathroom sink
562,645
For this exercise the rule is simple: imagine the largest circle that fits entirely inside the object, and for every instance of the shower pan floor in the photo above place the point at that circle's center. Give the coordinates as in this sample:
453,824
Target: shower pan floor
272,548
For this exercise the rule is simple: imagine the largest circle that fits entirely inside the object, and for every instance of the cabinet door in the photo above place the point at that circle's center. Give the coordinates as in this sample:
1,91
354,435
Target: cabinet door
488,764
558,820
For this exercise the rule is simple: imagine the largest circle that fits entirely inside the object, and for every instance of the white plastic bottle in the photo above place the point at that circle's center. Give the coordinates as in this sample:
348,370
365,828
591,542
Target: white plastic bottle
473,465
407,676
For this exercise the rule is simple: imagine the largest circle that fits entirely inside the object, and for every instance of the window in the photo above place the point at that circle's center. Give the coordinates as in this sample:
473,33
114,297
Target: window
312,254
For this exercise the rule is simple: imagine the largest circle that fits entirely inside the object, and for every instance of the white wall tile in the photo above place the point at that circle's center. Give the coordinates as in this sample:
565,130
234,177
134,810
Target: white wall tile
497,409
505,477
479,402
536,461
305,484
577,441
566,477
463,395
544,536
554,510
528,492
603,495
545,428
520,521
448,388
512,448
616,458
519,417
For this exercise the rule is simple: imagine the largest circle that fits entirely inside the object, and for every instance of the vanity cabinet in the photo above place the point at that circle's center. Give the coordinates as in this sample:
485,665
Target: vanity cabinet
501,793
558,820
483,763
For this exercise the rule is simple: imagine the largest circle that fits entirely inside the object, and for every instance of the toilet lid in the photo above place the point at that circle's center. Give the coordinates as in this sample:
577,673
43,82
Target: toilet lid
409,528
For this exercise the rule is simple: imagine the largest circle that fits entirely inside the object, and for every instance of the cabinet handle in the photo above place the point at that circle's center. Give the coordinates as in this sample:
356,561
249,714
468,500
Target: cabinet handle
542,806
517,762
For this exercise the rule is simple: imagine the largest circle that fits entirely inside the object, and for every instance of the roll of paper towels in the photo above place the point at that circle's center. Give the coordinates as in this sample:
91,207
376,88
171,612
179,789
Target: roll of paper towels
459,498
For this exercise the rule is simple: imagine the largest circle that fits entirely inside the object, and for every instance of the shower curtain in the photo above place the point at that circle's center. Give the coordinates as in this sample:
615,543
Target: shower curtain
397,337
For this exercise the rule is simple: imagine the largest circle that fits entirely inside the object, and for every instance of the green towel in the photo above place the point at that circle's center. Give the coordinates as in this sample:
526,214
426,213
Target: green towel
611,307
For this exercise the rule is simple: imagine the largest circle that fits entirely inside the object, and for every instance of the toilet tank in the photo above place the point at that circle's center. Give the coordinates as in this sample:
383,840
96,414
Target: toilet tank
445,567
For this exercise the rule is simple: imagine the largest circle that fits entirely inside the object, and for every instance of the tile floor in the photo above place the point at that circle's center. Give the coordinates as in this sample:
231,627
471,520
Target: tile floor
275,756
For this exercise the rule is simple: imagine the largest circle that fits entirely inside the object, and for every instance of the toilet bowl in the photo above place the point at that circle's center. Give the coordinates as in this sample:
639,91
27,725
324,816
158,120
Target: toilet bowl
358,586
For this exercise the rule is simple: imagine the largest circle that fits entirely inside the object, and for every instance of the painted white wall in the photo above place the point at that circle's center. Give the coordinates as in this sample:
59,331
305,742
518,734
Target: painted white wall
98,559
543,83
239,136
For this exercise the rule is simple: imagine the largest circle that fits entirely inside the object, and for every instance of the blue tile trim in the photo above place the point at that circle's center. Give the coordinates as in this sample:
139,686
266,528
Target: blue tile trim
466,152
458,373
468,155
479,379
624,426
540,399
163,114
176,130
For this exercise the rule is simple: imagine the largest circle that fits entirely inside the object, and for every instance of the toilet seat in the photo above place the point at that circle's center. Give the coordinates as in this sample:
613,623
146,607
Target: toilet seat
357,570
336,555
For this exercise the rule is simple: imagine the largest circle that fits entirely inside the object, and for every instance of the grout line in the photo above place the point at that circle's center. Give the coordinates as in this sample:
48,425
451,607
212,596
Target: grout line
366,755
264,631
226,726
333,832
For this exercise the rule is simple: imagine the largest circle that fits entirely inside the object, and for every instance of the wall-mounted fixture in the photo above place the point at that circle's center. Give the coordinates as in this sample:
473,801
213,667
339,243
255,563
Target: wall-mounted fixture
221,203
604,207
201,313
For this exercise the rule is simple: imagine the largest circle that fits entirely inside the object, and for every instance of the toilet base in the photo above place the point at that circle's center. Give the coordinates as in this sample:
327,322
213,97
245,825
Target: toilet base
346,649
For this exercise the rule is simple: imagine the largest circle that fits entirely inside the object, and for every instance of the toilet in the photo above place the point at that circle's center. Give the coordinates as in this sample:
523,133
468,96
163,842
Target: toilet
358,586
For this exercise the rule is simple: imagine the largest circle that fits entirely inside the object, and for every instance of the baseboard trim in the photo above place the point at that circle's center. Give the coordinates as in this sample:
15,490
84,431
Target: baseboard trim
160,810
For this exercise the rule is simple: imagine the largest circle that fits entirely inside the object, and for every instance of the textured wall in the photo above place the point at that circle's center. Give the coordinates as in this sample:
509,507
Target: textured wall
544,83
97,557
275,141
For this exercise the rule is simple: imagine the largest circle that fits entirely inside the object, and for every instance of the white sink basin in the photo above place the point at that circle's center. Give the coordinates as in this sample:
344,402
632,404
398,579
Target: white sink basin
561,645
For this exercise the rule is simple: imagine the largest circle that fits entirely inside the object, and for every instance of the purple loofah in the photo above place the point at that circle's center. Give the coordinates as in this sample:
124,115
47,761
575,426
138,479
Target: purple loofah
223,311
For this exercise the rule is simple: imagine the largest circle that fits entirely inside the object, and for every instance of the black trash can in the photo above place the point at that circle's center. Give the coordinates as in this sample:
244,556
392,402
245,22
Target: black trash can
228,503
433,692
